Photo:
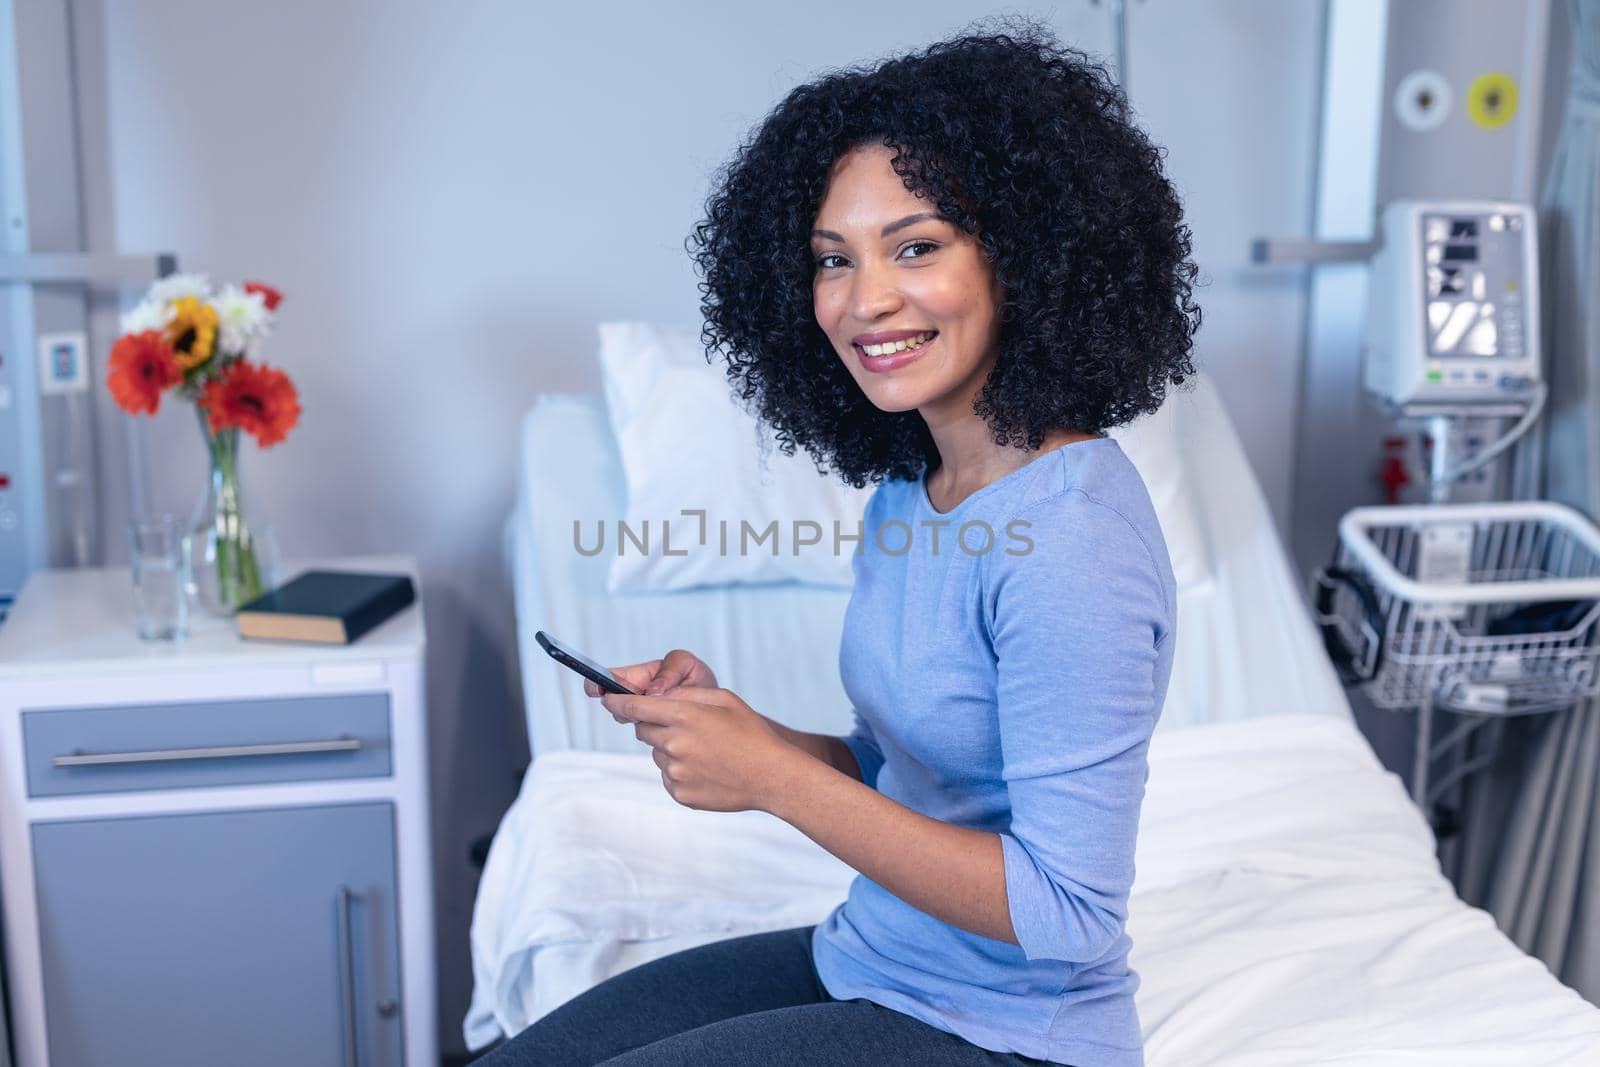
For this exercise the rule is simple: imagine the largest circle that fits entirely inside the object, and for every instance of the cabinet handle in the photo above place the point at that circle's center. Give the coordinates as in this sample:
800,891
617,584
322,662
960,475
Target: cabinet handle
347,982
167,755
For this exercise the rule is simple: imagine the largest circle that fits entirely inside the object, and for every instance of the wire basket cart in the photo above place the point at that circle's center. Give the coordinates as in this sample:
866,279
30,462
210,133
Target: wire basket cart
1486,610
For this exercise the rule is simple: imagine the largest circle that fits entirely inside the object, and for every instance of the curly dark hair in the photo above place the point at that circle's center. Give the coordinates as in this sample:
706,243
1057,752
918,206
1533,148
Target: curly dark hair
1019,141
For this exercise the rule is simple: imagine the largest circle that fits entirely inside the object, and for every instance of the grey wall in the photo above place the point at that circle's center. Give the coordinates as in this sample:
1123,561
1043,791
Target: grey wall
452,194
1231,90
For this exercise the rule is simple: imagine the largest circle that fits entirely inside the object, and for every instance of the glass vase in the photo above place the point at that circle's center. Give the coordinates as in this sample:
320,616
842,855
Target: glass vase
235,551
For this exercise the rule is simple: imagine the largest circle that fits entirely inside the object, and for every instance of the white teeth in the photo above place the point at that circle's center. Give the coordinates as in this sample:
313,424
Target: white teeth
891,347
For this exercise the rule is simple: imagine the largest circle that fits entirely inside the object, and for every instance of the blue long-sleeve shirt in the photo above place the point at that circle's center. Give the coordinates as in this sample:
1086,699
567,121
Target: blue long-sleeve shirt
1012,690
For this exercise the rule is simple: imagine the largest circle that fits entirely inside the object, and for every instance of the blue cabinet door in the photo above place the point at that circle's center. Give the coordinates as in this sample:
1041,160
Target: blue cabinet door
263,937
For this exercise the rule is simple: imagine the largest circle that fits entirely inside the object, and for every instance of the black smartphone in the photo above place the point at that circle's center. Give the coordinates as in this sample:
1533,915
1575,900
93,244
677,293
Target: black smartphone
582,664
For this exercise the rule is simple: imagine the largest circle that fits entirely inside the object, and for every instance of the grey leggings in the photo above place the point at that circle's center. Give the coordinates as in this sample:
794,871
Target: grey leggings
746,1000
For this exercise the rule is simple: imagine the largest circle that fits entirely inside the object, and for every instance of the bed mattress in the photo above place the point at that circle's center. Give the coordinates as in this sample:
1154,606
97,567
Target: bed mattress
1287,908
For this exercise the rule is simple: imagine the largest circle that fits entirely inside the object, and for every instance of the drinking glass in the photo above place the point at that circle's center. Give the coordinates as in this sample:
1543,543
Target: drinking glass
158,553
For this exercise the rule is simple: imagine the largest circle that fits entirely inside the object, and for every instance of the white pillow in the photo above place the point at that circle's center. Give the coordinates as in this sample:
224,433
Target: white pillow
686,443
1157,444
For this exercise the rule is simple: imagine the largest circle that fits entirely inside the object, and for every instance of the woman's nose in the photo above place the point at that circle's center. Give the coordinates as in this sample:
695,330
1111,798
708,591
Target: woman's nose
873,293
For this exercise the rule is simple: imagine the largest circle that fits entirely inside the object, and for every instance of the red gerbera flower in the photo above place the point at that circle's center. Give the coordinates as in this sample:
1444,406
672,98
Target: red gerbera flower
270,297
141,366
258,399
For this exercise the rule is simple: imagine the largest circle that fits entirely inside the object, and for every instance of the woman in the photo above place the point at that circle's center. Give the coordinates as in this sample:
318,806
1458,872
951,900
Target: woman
946,275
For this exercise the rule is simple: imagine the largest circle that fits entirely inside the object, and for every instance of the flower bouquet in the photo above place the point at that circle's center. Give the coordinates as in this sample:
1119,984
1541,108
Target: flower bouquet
202,346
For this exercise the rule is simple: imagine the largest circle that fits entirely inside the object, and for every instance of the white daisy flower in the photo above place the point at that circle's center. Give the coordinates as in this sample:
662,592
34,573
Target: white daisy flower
149,315
242,319
173,286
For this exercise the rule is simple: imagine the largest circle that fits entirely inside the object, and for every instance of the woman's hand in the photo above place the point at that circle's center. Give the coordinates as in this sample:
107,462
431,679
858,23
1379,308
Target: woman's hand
716,753
678,667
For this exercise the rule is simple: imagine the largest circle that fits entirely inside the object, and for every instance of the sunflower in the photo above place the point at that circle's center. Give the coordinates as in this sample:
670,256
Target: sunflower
255,398
141,366
192,331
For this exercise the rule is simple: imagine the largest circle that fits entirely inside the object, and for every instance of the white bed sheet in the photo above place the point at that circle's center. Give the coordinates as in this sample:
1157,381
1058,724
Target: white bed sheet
1287,908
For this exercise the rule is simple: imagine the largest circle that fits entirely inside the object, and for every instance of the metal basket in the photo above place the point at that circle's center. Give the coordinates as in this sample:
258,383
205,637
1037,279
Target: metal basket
1481,608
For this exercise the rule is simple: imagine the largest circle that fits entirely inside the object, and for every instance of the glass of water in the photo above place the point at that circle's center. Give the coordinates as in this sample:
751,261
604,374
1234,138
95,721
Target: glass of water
158,554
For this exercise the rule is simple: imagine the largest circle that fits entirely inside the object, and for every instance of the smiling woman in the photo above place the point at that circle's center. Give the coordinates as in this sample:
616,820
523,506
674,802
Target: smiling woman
945,275
1039,210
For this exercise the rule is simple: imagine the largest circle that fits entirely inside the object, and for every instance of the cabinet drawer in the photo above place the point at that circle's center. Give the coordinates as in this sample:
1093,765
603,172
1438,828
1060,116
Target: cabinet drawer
185,746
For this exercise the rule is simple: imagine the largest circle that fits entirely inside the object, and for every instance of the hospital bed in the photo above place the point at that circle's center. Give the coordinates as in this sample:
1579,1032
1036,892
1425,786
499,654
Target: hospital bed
1287,909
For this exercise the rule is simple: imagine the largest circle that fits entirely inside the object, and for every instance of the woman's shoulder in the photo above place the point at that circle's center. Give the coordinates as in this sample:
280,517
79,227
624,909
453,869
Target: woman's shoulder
1094,472
1091,514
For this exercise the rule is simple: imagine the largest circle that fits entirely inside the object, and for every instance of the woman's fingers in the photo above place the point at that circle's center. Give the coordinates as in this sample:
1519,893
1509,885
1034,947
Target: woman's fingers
656,676
676,667
662,711
635,676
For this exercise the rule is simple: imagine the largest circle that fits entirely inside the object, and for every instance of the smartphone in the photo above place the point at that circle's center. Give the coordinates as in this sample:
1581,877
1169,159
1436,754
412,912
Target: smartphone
581,663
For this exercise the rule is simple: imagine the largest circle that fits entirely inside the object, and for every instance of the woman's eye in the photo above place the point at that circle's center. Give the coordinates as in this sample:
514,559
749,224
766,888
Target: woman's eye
822,261
929,245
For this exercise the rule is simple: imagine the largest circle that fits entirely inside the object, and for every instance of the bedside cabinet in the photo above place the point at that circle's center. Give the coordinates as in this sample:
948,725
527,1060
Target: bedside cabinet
215,850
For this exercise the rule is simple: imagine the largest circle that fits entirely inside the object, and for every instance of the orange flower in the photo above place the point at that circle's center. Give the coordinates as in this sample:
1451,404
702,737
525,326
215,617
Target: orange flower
258,399
141,366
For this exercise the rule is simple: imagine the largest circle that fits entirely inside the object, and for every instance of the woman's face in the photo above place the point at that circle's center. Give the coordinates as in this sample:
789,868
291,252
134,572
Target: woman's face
889,271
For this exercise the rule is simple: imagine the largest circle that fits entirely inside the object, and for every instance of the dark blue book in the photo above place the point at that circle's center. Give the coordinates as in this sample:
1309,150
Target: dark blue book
327,607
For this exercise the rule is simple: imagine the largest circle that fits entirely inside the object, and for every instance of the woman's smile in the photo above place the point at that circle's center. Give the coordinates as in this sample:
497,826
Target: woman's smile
880,359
